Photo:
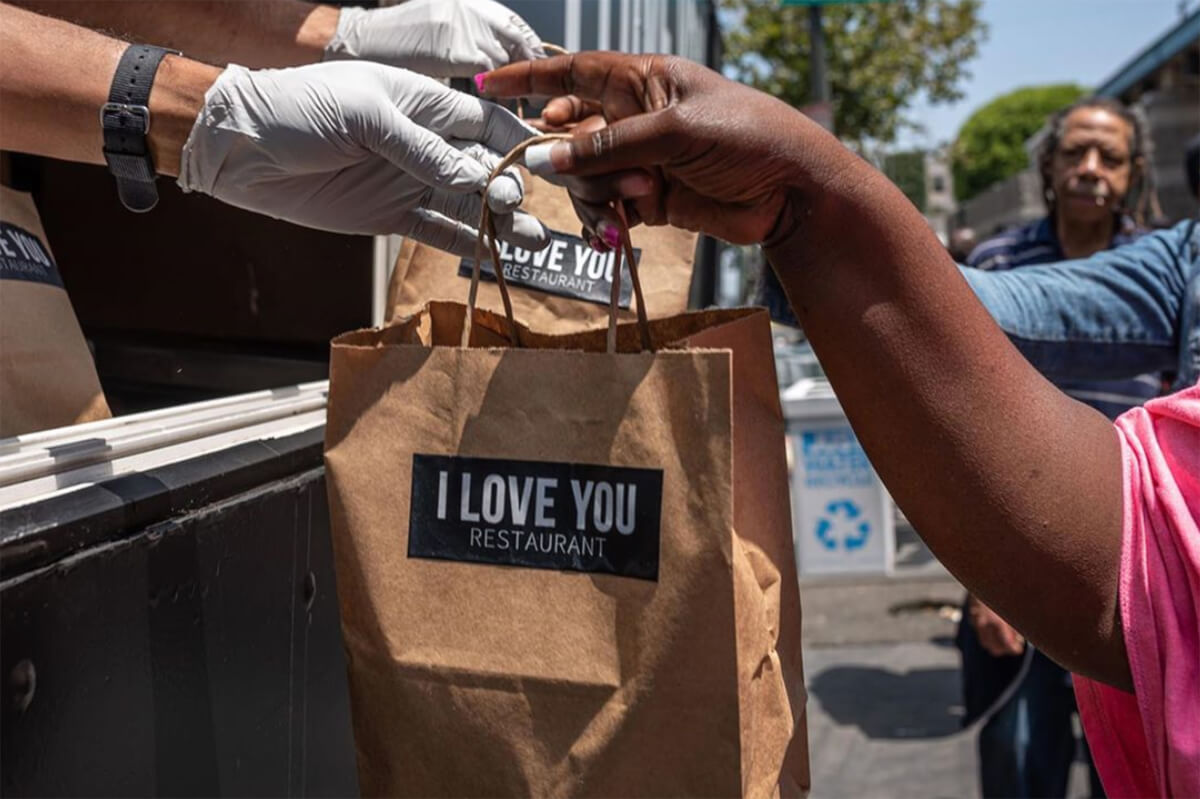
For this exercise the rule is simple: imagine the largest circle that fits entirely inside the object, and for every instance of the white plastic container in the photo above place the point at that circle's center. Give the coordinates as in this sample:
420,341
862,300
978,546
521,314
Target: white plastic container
842,519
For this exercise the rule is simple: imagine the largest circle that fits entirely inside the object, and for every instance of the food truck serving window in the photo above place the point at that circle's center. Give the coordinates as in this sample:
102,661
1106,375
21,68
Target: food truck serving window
196,299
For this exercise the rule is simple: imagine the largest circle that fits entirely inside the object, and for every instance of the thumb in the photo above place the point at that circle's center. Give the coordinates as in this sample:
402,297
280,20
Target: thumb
639,141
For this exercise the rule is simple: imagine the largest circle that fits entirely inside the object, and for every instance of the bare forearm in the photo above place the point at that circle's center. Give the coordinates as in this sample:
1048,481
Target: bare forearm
253,33
54,77
1015,487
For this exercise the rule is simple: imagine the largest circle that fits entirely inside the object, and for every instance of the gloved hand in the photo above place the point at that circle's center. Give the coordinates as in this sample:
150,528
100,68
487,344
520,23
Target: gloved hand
356,147
440,38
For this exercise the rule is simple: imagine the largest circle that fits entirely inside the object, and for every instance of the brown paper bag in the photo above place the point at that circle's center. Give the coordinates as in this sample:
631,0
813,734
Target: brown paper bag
47,378
562,571
563,288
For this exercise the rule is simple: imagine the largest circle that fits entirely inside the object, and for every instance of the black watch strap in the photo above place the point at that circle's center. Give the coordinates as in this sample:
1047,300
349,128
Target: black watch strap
125,119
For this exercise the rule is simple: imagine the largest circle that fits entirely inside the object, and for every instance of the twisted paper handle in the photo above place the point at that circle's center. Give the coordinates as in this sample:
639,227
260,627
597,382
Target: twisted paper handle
487,239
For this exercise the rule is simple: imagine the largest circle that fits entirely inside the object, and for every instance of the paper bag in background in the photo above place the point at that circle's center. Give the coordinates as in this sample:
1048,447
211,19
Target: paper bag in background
47,377
562,288
564,572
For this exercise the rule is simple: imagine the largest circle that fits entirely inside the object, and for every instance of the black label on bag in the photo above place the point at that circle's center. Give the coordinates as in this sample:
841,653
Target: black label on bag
537,514
567,267
24,257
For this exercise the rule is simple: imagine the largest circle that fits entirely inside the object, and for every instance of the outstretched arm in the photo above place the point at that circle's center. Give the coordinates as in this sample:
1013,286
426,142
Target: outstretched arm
279,33
350,147
1117,313
54,77
1016,487
440,38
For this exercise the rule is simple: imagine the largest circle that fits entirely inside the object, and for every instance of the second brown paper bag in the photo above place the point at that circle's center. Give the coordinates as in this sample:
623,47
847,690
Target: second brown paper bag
562,288
47,377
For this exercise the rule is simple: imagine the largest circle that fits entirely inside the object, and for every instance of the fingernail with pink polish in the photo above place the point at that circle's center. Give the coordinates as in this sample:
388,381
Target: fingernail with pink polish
610,234
479,80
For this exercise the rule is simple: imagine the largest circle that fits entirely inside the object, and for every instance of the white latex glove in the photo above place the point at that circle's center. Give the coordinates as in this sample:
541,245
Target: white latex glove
356,147
441,38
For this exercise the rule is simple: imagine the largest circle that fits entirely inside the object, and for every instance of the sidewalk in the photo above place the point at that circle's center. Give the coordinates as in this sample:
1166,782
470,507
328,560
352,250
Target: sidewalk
885,701
885,698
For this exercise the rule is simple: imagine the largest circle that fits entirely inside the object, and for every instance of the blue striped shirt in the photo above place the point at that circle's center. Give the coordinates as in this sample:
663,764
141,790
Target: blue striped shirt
1037,243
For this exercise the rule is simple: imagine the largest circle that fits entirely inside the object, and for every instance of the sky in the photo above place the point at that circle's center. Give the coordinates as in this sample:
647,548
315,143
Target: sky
1034,42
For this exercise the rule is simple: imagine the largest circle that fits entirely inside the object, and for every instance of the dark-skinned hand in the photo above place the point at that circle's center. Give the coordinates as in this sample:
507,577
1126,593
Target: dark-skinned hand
682,145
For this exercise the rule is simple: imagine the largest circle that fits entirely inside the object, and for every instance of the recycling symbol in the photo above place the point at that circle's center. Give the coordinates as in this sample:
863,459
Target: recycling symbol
842,523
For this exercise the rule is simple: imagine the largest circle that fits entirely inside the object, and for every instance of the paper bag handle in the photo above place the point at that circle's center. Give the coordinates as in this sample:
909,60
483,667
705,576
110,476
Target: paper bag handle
487,238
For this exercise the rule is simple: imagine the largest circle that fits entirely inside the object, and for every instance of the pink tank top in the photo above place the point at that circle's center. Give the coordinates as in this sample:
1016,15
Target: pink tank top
1148,743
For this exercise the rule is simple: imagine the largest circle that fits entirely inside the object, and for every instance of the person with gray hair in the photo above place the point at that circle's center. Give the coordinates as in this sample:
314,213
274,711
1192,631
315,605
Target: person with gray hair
1092,160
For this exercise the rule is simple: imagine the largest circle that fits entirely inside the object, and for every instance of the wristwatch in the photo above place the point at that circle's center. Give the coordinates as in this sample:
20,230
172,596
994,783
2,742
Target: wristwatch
125,121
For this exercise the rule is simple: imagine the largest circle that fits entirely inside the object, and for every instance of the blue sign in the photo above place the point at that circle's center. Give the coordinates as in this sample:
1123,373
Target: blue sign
842,525
833,458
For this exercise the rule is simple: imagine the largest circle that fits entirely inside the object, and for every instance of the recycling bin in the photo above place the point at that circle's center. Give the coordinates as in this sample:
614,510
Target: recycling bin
842,517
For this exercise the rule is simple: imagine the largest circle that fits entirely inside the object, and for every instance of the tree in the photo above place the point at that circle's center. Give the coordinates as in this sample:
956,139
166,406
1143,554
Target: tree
880,56
991,144
907,170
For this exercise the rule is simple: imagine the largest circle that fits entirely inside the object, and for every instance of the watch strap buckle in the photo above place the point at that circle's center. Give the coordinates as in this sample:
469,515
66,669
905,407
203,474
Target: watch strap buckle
125,117
125,125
